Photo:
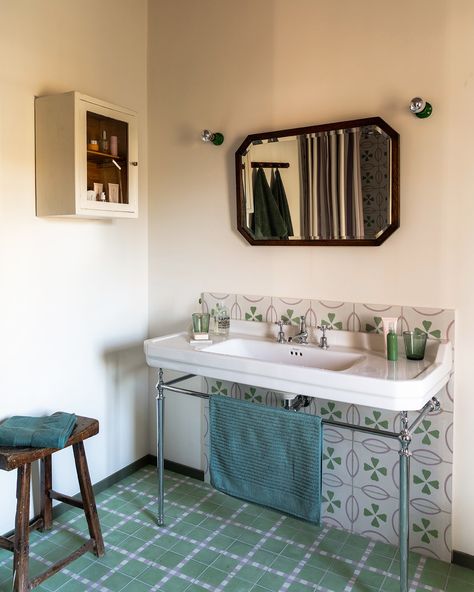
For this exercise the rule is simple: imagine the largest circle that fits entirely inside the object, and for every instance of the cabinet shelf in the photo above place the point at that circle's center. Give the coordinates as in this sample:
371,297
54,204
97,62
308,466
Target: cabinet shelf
102,155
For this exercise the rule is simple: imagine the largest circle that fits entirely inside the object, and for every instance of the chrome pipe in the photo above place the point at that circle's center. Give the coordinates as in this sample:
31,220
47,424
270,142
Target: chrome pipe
404,500
432,405
167,387
360,428
179,379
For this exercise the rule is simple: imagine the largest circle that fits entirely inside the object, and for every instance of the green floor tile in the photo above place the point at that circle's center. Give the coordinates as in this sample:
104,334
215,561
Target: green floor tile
434,579
271,581
334,582
237,585
136,586
212,576
210,545
175,585
225,563
206,556
369,579
311,574
461,573
454,585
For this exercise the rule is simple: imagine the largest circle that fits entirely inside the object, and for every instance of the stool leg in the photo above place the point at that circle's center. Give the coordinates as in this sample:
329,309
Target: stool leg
88,498
46,487
22,530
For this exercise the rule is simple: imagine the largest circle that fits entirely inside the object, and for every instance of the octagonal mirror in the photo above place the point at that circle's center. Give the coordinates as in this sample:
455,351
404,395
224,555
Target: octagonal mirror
330,184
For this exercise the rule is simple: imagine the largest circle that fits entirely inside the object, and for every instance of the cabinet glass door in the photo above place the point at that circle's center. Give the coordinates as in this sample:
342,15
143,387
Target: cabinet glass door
107,159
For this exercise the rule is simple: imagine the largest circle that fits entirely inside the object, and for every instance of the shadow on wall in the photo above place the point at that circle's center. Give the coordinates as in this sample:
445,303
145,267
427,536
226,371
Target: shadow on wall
126,405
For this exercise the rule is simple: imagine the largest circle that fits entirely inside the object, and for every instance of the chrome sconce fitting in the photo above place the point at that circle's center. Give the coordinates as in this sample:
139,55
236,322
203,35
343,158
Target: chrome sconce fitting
420,108
215,138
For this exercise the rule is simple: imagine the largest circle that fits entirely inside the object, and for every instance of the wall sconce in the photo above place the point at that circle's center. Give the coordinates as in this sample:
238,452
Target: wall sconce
215,137
420,107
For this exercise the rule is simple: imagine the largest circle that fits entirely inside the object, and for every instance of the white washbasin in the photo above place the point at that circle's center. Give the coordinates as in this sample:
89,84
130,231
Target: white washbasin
353,370
283,353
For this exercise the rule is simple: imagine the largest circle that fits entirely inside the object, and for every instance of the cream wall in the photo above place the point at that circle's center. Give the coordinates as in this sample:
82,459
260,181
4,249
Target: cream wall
273,64
73,292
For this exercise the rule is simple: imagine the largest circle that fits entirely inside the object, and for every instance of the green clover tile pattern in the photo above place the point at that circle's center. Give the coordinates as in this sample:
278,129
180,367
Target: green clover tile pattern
428,484
251,395
428,533
252,315
435,333
218,389
330,458
377,516
429,434
376,422
216,543
376,327
329,411
331,501
332,322
375,469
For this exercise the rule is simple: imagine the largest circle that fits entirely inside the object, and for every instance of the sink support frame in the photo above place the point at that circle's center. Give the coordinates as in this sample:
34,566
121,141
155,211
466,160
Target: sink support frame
404,437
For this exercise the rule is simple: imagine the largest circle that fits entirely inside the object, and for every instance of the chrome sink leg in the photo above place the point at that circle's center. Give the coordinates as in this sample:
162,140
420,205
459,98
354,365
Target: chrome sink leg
160,412
405,454
404,528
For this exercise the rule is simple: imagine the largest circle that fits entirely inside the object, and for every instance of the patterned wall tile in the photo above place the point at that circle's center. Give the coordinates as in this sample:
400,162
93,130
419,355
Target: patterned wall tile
429,486
430,532
376,467
376,513
361,471
437,322
336,497
290,309
212,301
368,317
335,315
253,308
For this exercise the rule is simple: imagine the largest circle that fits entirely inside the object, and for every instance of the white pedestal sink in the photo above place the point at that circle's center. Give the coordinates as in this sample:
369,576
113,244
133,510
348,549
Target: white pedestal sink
354,370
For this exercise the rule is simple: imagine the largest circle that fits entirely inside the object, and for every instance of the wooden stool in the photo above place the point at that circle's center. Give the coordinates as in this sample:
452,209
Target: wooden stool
18,542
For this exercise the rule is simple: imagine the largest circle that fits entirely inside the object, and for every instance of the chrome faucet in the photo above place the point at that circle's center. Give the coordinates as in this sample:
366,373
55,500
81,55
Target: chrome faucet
323,342
302,336
281,333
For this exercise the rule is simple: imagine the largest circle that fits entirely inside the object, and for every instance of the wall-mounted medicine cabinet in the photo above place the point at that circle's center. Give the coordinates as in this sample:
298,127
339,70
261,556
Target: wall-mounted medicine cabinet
86,158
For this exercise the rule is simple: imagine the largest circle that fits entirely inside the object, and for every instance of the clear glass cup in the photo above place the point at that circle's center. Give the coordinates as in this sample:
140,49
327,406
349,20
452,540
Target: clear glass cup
415,343
201,322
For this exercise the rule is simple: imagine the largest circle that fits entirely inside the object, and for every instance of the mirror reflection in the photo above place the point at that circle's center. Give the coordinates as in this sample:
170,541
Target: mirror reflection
330,184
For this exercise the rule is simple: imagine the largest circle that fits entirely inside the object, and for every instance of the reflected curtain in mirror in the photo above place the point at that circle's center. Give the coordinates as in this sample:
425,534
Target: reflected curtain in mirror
331,188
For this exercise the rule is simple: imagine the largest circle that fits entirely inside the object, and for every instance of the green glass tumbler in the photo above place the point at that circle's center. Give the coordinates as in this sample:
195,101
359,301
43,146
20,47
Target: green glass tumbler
201,322
415,343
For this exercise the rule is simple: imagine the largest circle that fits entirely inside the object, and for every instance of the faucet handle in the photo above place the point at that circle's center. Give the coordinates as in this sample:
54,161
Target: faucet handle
324,328
281,334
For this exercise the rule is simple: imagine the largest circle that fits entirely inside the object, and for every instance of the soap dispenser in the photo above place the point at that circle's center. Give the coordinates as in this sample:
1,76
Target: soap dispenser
223,320
392,345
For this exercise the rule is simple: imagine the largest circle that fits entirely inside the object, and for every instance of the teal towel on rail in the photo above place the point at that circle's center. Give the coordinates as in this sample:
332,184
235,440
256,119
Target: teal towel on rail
265,455
37,432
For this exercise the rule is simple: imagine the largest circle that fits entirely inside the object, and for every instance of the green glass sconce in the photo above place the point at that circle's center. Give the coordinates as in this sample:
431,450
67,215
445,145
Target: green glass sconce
420,108
215,138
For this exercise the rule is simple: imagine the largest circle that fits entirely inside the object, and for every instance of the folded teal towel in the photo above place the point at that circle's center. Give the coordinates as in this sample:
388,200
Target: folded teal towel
268,456
37,432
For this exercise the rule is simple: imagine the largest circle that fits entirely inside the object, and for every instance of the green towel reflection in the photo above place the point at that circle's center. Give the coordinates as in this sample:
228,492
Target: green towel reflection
279,194
37,432
265,455
267,220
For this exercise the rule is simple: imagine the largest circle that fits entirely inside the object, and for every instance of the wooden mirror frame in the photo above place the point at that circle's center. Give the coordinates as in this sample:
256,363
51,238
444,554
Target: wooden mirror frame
363,242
